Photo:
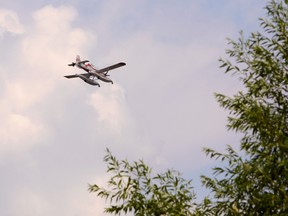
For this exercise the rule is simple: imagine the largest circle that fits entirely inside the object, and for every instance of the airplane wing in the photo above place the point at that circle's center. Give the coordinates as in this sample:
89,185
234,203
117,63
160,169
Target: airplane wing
87,75
71,76
83,61
103,70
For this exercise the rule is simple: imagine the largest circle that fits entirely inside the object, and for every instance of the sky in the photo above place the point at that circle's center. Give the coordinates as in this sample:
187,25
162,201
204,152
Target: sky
161,107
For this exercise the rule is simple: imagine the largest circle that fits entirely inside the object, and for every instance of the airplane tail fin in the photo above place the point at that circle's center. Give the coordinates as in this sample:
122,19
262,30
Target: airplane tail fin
78,59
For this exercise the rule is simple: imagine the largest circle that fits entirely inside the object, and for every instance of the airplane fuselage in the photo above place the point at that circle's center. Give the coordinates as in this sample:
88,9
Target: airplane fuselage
93,71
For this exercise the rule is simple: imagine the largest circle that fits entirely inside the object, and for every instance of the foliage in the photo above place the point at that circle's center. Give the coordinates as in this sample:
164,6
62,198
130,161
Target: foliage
256,183
253,181
133,188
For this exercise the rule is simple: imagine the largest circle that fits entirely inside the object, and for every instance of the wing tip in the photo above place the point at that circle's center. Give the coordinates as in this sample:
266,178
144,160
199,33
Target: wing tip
70,76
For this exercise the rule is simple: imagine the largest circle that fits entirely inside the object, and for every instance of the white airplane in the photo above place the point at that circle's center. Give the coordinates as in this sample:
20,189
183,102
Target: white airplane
93,73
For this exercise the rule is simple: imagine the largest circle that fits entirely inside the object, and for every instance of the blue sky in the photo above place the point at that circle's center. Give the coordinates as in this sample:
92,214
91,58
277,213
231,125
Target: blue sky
161,108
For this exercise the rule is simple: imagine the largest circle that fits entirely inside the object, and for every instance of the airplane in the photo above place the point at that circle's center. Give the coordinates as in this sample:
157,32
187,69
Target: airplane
93,74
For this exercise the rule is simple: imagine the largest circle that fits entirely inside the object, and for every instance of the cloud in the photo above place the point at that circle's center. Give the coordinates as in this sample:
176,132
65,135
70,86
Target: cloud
110,105
45,49
34,101
53,39
19,129
18,132
29,202
9,22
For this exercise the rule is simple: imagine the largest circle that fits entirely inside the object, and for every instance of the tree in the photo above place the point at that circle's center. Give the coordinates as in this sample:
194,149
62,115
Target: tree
133,188
255,181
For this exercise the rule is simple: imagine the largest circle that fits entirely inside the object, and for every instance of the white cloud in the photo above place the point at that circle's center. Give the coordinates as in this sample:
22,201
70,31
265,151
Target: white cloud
51,20
9,22
46,48
18,132
110,105
19,128
28,202
53,40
